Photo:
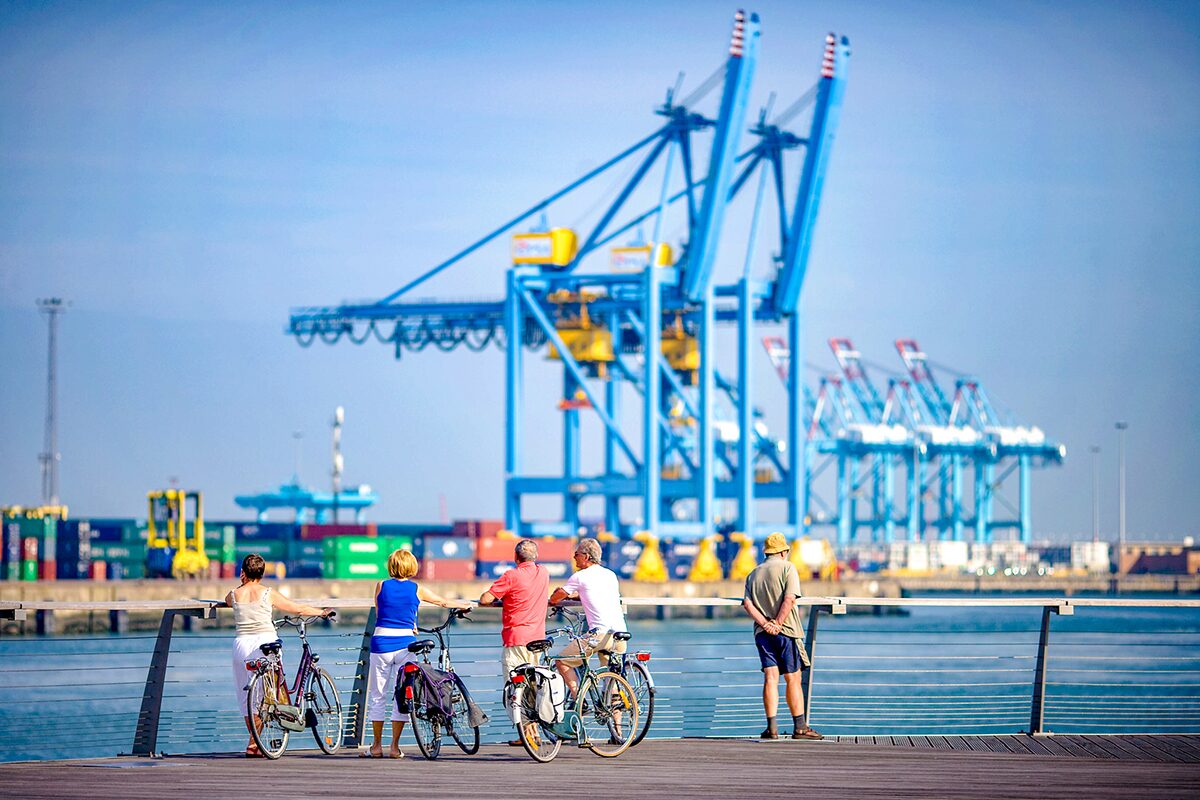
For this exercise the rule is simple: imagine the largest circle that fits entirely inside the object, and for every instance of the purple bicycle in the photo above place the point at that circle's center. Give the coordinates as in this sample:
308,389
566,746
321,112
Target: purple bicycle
437,699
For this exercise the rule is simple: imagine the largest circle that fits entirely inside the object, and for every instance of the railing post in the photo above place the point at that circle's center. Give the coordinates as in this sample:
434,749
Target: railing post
145,735
359,692
810,646
1037,711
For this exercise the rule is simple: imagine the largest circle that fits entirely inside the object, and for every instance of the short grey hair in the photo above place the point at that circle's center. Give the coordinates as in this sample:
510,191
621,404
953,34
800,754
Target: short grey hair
590,548
526,550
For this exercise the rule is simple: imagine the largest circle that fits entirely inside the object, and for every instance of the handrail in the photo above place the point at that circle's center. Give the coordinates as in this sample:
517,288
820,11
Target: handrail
862,684
684,602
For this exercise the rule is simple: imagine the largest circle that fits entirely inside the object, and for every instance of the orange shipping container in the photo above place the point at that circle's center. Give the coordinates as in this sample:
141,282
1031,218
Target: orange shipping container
493,548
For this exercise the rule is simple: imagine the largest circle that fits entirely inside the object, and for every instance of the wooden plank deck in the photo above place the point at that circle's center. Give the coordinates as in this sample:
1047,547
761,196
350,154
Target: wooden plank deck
854,768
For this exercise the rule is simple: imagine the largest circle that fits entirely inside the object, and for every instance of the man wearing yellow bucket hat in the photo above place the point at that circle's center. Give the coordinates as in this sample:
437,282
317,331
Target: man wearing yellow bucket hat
770,600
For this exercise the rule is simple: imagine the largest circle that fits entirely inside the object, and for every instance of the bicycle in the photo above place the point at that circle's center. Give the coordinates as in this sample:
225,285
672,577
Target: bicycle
438,699
268,696
635,668
602,717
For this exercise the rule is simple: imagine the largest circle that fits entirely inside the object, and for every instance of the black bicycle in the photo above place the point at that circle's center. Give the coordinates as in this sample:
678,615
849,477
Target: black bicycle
436,698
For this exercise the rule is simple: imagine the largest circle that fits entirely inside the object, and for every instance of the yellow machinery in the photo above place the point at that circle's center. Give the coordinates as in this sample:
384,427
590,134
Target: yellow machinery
636,258
682,351
590,344
650,566
814,558
765,475
707,567
553,248
169,548
746,559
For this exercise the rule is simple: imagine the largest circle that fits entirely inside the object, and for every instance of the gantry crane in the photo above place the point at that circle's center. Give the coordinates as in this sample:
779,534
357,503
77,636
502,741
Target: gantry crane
653,304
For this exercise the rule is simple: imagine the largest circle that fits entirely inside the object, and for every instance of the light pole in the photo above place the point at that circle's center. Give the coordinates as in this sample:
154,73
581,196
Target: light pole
339,417
296,437
1121,428
1095,451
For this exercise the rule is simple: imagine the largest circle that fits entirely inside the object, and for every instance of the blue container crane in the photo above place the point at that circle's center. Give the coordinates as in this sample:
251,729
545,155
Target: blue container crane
597,324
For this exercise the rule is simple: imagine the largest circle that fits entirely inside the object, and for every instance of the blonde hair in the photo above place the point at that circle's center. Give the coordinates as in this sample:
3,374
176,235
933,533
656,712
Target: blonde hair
402,564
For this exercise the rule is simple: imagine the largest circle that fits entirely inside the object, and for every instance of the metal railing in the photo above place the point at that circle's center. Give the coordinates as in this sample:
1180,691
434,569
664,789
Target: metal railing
906,667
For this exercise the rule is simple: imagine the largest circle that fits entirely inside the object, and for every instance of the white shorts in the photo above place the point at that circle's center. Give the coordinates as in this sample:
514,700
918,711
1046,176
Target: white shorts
381,684
245,649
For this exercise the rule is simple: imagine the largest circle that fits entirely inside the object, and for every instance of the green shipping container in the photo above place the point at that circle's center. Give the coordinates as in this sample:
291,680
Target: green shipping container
29,570
119,551
362,570
306,550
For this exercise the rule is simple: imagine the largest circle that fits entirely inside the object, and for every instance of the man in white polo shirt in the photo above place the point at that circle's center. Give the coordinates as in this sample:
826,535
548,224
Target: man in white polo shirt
599,592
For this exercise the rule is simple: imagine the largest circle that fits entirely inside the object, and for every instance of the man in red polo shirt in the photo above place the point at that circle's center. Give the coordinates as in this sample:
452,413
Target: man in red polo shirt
525,592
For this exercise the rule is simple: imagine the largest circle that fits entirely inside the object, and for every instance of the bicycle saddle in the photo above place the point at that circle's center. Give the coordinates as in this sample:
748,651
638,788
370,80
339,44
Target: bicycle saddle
622,636
421,646
539,646
271,647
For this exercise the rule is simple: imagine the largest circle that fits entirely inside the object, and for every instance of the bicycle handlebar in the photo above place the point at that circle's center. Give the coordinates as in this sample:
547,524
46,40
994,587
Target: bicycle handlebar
296,620
455,613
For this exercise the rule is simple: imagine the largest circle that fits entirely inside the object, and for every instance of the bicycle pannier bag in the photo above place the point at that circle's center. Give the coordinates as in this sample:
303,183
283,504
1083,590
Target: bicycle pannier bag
290,718
551,698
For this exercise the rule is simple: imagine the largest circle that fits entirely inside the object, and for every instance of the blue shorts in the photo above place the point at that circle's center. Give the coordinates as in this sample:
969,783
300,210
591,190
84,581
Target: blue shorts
777,650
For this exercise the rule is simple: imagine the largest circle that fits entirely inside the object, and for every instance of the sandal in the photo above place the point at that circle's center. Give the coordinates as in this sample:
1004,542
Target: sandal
369,754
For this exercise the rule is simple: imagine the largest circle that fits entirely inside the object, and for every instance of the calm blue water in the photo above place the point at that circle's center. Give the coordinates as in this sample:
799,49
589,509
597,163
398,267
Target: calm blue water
936,670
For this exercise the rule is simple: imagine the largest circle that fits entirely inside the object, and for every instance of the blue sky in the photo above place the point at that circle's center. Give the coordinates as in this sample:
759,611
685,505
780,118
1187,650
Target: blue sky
1014,184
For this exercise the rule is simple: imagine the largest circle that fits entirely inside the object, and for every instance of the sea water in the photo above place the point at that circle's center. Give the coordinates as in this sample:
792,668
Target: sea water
933,670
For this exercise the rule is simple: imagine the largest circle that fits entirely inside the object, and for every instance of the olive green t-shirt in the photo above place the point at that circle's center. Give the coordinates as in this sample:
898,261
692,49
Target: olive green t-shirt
766,587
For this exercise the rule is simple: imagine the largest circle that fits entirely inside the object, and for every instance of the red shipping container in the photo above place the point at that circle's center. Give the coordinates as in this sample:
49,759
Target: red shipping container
313,532
493,548
48,570
229,570
447,569
29,549
98,571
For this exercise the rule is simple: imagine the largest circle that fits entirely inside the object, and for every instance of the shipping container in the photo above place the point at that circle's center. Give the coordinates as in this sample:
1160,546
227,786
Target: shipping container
74,553
97,571
29,570
414,529
269,549
302,550
305,568
260,531
323,531
373,570
11,534
106,529
679,558
447,569
118,571
622,557
448,547
118,551
494,548
477,528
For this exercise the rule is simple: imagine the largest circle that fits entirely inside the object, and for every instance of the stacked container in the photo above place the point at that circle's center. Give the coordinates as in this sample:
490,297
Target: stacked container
449,557
679,558
495,555
22,560
360,557
315,532
622,557
74,556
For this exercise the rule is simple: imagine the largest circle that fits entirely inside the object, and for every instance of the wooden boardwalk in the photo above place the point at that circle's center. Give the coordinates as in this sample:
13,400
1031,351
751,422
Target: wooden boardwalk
845,767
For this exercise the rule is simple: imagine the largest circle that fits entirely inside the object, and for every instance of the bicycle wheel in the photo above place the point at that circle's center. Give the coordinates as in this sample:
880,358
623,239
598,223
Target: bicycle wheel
541,744
426,727
643,693
326,706
608,714
262,700
465,734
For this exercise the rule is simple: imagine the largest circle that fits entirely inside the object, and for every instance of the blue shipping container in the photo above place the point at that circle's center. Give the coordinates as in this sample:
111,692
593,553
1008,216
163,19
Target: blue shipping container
266,531
558,570
455,547
74,550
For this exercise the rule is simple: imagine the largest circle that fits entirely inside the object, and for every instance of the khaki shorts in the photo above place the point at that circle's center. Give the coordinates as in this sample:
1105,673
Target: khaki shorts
515,656
602,645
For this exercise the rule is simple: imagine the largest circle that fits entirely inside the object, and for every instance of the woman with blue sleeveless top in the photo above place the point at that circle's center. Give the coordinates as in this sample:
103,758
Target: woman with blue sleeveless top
396,603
